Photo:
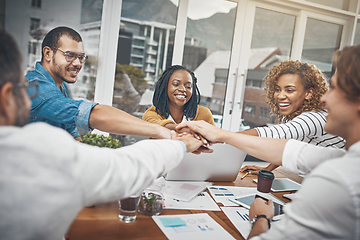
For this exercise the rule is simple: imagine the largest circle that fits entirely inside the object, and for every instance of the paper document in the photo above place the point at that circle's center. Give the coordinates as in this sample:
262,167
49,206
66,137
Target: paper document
239,217
191,226
203,201
184,191
221,194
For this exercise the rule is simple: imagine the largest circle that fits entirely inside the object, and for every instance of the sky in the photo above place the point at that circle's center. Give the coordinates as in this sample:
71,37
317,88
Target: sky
199,9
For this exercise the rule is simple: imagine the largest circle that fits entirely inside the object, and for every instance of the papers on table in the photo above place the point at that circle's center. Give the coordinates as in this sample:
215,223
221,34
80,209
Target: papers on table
221,194
239,217
191,226
181,190
203,201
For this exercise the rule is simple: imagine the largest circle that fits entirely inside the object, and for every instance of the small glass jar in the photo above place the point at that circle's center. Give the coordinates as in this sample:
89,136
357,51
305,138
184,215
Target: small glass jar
151,201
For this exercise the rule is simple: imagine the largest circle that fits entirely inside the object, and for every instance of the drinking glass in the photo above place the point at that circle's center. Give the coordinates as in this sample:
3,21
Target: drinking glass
127,208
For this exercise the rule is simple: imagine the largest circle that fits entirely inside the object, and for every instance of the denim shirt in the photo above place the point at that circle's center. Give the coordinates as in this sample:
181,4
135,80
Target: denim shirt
55,107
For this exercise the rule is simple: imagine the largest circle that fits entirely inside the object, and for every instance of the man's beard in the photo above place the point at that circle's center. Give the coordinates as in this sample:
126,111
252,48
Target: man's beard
58,72
22,116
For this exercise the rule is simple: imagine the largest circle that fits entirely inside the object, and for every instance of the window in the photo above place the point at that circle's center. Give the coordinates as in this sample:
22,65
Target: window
34,23
250,110
264,113
278,29
322,39
357,34
36,3
340,4
32,48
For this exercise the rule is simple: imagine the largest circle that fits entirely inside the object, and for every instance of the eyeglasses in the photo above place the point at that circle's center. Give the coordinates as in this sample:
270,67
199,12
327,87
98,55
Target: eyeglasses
32,88
71,56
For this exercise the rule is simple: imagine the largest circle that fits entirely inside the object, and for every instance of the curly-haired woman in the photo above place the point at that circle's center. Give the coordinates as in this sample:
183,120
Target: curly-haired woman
176,99
293,90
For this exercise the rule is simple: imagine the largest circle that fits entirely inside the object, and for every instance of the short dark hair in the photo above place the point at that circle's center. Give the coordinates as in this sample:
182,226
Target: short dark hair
161,99
51,39
10,59
347,62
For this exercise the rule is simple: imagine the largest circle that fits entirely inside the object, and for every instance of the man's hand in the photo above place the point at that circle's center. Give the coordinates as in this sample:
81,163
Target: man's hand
255,169
163,133
208,131
252,169
192,144
186,130
261,207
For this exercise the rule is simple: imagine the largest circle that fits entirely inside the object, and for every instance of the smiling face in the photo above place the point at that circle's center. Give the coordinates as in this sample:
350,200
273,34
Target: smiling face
180,87
290,93
60,69
342,112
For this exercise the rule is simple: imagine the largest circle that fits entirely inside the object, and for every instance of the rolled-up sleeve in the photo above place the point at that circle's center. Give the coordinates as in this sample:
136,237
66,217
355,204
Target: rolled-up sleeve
82,117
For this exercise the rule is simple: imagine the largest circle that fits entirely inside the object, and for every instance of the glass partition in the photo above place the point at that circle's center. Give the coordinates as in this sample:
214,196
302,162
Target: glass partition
270,44
145,47
322,39
357,34
209,35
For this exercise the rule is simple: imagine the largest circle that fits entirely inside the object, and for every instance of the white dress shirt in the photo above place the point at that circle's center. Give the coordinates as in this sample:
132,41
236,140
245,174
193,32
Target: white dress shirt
328,204
46,177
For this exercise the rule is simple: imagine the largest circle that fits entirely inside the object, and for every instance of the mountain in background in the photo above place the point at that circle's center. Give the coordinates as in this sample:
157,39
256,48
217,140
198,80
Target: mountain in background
214,33
271,29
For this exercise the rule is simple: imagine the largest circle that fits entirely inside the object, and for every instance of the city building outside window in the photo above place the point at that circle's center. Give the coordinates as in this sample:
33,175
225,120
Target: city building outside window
36,3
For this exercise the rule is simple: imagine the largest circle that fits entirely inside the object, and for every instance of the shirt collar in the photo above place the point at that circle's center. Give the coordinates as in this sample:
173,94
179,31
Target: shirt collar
39,68
182,121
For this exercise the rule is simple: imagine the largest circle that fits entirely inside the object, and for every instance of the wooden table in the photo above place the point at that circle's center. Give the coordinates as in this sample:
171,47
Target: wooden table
102,222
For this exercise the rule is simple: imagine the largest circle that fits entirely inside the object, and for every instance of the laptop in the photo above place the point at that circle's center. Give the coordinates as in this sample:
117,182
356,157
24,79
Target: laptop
223,164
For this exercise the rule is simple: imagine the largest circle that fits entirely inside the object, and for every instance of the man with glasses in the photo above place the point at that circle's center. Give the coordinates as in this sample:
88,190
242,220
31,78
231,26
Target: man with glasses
63,57
44,186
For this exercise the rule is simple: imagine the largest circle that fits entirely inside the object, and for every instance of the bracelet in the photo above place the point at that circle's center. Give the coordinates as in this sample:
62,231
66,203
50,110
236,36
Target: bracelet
253,221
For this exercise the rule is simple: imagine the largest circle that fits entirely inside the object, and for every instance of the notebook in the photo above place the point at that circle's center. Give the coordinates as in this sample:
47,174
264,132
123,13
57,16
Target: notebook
223,164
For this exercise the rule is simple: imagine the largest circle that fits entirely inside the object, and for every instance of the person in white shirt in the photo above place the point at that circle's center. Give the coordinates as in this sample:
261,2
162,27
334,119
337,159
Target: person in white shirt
47,177
328,204
293,90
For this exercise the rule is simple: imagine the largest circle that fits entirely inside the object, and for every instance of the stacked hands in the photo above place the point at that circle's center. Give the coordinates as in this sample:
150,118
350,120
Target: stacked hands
198,136
198,133
207,134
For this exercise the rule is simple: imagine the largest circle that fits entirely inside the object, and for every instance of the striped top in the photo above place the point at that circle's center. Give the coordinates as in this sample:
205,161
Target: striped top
307,127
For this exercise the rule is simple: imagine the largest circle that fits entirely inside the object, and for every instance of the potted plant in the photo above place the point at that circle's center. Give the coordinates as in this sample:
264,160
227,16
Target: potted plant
100,140
151,201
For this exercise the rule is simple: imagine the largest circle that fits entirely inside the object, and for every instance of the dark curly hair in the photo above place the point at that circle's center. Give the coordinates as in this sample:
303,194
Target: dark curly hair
310,77
347,62
161,99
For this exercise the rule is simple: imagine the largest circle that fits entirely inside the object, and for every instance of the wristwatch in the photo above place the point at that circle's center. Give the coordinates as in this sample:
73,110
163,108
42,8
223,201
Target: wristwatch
253,221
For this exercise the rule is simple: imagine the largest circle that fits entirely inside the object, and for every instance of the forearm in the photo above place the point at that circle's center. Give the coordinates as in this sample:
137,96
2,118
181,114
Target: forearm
271,167
267,149
124,171
112,120
251,132
170,126
259,227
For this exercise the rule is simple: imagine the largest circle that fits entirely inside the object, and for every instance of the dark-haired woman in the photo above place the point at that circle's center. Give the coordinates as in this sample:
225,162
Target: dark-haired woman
176,99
